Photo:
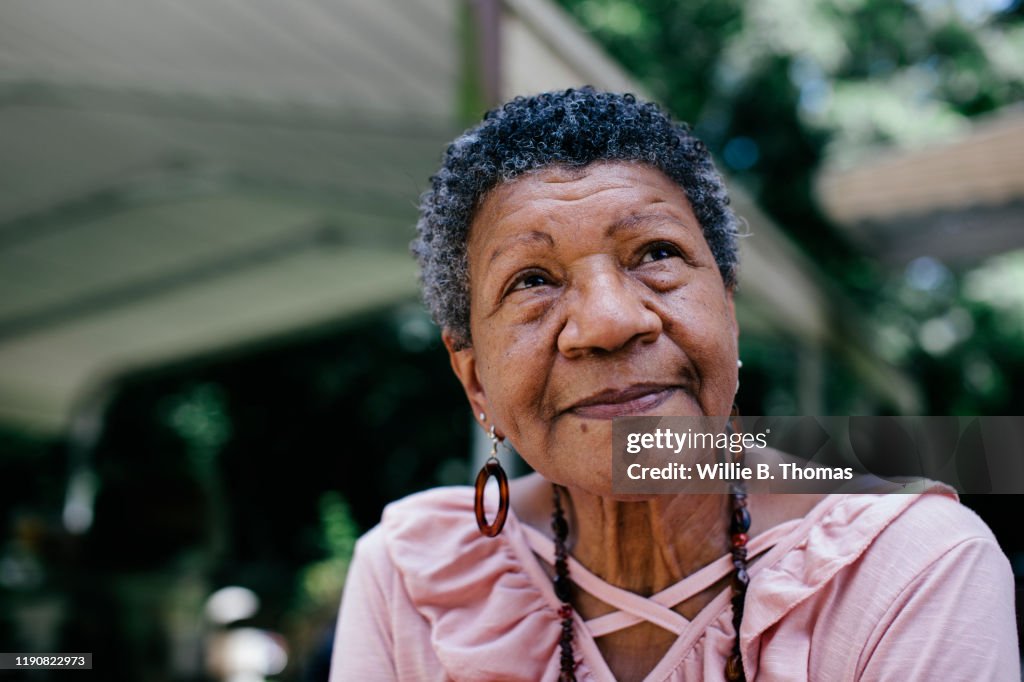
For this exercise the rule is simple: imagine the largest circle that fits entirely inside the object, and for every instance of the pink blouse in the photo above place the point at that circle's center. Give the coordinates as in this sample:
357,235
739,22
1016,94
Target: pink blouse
875,587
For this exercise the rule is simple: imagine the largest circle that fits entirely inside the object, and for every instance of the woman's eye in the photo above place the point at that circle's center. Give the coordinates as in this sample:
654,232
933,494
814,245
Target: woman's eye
660,251
529,281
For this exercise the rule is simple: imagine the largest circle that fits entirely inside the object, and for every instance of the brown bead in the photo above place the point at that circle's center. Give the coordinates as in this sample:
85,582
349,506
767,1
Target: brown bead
734,668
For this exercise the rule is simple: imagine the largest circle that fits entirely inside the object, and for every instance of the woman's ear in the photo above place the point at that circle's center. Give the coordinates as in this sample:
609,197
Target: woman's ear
464,365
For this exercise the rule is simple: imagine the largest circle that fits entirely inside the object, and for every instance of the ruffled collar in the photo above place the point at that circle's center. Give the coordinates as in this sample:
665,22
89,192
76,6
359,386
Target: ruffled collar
489,619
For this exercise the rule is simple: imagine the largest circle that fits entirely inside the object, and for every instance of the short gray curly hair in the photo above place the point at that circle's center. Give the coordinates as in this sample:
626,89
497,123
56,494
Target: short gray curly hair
574,128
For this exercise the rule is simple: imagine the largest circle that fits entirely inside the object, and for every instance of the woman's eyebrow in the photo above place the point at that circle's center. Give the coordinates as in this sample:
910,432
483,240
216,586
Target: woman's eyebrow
530,237
634,221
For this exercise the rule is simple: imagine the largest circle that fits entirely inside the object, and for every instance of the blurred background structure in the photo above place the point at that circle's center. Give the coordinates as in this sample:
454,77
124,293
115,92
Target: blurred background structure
214,371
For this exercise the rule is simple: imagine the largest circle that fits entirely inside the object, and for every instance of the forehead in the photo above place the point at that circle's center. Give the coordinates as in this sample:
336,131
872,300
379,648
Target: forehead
568,183
559,191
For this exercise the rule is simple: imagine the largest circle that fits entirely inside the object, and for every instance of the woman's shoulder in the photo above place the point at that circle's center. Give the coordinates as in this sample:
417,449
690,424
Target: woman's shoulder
424,528
894,531
923,526
938,522
863,538
426,513
932,534
437,518
432,540
437,515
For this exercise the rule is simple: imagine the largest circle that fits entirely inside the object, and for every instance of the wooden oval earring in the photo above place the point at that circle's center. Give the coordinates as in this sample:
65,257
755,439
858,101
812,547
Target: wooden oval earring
492,467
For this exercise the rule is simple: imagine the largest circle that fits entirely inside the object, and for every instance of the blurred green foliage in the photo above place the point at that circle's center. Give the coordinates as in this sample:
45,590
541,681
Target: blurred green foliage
321,582
199,416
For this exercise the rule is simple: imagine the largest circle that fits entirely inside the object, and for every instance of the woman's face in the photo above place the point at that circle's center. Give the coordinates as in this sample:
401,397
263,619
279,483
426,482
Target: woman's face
593,295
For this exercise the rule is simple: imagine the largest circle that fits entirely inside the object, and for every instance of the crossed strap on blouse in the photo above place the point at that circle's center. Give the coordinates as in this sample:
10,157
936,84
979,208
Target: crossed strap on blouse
656,609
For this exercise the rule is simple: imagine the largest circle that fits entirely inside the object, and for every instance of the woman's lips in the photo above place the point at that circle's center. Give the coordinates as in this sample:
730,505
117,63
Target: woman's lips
622,402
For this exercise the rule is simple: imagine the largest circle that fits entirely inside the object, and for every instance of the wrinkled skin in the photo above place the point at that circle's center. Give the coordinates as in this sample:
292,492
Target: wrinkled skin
593,295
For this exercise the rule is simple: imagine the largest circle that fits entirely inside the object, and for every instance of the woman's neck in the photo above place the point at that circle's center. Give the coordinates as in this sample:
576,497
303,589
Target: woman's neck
643,546
646,546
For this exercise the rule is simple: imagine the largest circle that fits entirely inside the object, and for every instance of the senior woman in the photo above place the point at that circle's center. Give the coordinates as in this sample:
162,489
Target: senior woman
578,252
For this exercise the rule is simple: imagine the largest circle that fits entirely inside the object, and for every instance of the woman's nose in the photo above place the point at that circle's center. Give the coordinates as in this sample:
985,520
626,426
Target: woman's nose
605,313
